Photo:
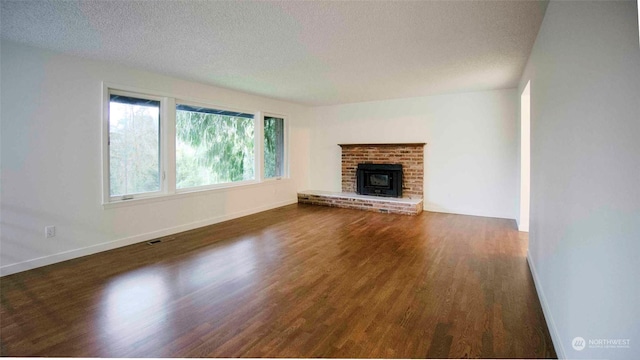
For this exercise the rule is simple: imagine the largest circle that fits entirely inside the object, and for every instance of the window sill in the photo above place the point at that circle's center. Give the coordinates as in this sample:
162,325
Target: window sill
191,193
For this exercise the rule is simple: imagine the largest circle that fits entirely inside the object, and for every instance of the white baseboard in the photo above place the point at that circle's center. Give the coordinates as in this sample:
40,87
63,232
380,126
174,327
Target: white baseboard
93,249
553,330
523,226
458,212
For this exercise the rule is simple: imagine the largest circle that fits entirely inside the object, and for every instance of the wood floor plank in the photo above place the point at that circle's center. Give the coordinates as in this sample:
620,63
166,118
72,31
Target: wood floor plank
298,281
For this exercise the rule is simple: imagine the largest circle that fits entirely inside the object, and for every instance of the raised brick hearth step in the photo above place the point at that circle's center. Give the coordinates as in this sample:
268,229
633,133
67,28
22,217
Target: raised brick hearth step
405,206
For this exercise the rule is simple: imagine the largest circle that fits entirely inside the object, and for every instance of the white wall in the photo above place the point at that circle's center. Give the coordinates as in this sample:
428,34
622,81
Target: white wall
584,238
470,156
51,161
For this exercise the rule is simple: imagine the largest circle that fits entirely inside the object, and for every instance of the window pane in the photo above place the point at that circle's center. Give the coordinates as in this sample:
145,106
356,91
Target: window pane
273,147
213,147
134,146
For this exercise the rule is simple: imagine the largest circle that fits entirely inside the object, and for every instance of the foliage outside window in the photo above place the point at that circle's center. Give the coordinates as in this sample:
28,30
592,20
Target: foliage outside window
273,147
213,147
134,145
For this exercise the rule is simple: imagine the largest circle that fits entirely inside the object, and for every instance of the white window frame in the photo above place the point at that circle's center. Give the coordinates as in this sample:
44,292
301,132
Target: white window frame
167,145
285,152
256,147
107,92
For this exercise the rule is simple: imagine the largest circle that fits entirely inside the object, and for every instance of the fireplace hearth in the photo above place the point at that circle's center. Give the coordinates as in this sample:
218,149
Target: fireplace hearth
409,187
379,180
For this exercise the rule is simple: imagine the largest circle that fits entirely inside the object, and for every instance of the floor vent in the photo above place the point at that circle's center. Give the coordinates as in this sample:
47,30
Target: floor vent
153,242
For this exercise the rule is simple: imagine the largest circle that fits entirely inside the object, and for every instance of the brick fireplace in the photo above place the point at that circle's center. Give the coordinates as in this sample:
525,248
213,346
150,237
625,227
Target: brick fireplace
410,156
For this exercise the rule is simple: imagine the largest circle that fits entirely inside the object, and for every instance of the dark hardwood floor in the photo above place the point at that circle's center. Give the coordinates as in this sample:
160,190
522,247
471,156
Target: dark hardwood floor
299,281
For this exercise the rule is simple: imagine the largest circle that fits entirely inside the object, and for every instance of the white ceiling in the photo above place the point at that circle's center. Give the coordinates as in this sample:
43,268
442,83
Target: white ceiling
312,52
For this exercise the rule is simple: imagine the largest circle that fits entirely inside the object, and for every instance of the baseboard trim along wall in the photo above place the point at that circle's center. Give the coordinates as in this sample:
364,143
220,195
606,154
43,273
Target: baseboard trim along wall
468,213
553,331
93,249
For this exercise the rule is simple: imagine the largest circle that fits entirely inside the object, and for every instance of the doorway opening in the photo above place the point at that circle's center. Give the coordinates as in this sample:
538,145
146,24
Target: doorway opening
525,157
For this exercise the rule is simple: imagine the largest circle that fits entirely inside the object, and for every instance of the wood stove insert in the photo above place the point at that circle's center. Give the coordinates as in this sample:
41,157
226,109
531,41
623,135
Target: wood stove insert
379,179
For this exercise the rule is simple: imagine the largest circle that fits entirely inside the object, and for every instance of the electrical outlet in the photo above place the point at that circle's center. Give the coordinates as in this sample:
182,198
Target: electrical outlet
50,231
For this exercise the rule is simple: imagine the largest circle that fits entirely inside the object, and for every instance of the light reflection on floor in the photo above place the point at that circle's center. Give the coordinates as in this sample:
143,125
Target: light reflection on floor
136,306
232,262
142,306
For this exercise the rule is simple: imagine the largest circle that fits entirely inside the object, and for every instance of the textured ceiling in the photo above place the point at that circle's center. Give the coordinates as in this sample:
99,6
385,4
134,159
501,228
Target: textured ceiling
313,52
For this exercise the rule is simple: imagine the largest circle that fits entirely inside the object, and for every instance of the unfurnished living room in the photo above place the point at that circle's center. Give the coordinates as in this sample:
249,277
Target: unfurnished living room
320,179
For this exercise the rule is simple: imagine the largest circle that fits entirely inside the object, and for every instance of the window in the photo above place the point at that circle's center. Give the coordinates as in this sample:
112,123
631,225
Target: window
273,147
213,146
134,145
152,151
